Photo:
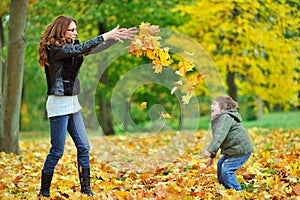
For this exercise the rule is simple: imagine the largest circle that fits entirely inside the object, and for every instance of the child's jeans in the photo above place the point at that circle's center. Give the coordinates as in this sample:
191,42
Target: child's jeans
226,170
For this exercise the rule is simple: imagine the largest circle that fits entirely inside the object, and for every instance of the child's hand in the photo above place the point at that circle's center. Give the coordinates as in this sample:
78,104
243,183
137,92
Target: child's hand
209,162
206,154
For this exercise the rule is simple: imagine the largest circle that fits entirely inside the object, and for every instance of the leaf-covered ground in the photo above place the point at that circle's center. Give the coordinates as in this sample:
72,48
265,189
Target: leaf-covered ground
157,166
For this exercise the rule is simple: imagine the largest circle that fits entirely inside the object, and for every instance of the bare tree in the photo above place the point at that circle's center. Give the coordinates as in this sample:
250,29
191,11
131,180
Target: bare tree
12,86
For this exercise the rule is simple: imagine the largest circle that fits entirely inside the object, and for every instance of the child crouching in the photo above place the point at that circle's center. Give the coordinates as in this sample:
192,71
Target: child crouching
229,136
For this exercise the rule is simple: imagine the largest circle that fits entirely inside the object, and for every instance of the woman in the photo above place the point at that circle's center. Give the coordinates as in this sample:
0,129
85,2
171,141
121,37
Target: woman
61,55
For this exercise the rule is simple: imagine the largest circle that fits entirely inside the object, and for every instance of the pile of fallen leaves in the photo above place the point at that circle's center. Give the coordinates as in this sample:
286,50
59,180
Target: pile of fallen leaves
157,166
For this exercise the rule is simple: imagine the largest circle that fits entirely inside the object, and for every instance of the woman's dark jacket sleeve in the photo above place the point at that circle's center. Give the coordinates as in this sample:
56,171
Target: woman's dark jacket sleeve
57,53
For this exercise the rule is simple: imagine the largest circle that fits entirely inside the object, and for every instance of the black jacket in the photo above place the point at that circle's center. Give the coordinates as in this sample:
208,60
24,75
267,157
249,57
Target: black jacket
65,63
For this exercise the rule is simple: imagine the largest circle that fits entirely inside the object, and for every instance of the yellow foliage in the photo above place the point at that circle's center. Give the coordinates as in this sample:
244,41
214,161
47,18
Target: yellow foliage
258,41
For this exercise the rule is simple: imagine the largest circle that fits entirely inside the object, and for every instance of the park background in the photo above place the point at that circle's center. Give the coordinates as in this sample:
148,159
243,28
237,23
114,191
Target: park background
254,45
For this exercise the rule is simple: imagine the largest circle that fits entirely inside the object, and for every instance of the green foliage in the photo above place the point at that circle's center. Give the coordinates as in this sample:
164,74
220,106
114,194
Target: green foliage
4,4
88,14
243,35
248,108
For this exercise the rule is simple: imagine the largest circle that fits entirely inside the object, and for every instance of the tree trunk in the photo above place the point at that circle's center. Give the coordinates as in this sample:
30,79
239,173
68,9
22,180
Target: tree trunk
1,78
105,109
231,84
9,137
260,108
127,110
105,106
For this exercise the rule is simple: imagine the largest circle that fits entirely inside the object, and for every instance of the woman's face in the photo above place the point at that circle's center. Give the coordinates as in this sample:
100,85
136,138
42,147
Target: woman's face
72,31
215,109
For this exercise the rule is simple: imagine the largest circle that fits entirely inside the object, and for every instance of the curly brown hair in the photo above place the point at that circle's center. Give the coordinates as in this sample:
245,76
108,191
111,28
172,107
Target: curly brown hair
54,34
226,102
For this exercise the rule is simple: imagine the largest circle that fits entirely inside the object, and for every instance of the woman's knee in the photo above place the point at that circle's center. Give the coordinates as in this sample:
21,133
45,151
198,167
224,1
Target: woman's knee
56,153
83,150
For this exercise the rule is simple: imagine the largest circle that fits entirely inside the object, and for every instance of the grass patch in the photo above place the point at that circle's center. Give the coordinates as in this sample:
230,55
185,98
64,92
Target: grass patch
274,120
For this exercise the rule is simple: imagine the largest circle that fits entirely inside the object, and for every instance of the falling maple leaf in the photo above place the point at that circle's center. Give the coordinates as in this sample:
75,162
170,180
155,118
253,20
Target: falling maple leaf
180,82
165,57
148,29
143,105
165,115
147,43
195,78
157,68
173,90
187,97
184,67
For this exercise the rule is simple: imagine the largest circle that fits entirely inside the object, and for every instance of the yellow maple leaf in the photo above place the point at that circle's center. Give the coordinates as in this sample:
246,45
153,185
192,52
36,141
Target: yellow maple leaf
195,78
152,54
184,67
165,57
121,194
165,115
144,105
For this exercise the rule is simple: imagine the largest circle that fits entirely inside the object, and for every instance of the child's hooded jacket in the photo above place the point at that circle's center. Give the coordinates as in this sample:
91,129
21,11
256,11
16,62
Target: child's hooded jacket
229,135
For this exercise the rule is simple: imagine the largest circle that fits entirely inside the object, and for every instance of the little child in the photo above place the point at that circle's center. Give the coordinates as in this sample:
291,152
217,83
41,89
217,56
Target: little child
229,136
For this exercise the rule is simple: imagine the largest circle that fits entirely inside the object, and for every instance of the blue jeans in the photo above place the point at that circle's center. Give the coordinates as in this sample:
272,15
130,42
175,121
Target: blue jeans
59,125
226,170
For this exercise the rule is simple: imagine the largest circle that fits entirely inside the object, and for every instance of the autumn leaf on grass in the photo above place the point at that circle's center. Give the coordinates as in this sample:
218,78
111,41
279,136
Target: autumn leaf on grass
144,105
294,169
16,180
296,189
121,194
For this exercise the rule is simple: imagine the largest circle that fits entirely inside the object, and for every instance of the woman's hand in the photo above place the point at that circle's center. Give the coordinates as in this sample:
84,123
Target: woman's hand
120,34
